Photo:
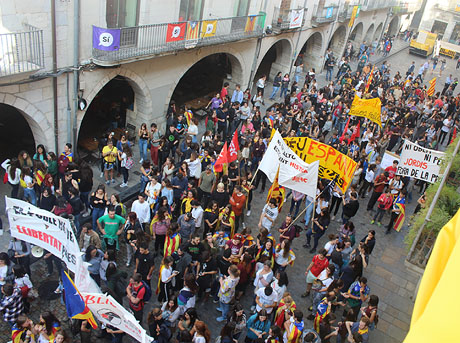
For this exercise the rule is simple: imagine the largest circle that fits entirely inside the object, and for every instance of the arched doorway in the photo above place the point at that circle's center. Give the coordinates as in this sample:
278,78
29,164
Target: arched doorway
393,27
110,110
311,51
206,77
276,59
337,41
15,133
378,31
369,32
356,34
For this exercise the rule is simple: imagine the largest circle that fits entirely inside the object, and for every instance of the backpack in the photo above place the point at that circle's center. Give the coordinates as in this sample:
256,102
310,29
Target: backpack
298,230
129,163
148,292
123,210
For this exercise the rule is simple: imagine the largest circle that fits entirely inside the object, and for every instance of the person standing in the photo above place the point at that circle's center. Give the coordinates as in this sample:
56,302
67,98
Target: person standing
227,291
142,210
261,84
111,226
379,185
350,207
268,215
135,293
13,169
110,154
276,85
154,143
205,185
145,262
11,305
238,201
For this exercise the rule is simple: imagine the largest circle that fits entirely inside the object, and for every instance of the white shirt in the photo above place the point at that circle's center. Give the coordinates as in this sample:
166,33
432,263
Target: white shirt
279,290
165,274
369,176
329,247
195,167
142,211
28,180
197,214
193,130
271,213
323,277
3,272
267,277
266,300
153,192
123,160
23,281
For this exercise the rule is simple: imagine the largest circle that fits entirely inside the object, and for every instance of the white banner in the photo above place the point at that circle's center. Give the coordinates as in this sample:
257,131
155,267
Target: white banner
43,228
108,311
419,162
296,18
294,173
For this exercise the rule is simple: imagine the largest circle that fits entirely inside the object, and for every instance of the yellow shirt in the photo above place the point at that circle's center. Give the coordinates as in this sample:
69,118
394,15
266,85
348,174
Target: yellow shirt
110,158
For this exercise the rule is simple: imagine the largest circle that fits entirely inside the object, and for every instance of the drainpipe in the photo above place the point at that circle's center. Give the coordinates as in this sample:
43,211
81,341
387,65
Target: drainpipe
76,81
54,57
254,62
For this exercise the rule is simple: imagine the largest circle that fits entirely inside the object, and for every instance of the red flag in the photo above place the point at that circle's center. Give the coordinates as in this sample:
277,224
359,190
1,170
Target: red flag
369,80
454,135
233,148
175,32
355,133
223,158
345,130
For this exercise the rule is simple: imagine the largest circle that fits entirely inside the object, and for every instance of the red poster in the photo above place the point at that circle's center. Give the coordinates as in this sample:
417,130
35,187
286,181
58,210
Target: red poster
175,32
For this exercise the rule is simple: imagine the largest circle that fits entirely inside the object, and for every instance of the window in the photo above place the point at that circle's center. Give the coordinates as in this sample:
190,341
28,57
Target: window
243,8
124,14
191,10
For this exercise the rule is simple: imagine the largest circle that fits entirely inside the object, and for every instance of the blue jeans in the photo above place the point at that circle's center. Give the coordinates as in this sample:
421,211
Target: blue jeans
225,308
84,197
308,212
77,222
316,236
283,93
274,91
97,213
328,74
143,149
297,205
29,195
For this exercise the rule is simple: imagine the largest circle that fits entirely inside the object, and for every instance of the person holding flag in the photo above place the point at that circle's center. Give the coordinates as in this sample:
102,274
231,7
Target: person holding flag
24,331
397,213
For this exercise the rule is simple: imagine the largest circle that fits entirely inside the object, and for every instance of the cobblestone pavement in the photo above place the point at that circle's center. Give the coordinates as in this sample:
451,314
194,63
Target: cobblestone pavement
387,275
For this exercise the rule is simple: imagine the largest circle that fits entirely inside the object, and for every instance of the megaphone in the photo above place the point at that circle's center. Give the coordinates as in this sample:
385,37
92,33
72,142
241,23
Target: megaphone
37,251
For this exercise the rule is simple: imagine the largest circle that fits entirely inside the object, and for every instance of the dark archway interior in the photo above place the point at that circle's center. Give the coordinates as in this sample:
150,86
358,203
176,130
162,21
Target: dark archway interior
15,133
203,78
106,111
265,65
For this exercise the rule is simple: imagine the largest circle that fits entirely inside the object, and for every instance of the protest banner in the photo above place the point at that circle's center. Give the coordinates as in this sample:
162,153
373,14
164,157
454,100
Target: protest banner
333,165
108,311
367,108
39,227
293,172
388,158
419,162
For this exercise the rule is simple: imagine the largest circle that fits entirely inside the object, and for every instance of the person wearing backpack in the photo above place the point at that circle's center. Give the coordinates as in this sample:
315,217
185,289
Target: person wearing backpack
158,326
137,294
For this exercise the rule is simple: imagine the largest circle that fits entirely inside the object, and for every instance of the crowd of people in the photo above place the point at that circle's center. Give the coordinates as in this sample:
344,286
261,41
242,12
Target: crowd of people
187,230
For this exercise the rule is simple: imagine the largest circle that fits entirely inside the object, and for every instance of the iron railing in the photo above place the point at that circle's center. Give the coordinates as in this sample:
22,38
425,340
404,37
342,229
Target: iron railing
21,52
322,15
282,19
143,41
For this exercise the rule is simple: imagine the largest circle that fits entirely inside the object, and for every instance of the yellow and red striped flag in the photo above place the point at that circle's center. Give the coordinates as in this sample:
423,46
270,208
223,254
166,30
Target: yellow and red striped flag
430,90
277,192
369,80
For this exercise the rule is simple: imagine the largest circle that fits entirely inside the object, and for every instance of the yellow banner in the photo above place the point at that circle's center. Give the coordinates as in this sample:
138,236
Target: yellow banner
332,163
208,28
367,108
353,16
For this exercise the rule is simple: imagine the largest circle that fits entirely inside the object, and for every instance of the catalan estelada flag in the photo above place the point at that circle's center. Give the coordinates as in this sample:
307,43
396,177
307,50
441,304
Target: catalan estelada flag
159,279
189,116
400,203
295,332
250,23
369,80
193,29
430,90
322,311
18,334
172,243
74,303
277,192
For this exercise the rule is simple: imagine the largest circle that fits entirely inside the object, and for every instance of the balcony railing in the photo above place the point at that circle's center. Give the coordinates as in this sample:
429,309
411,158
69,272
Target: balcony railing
21,52
282,19
372,5
322,15
345,13
141,42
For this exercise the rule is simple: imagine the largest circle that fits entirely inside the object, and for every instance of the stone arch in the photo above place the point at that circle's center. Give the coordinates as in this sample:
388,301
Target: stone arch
312,51
393,27
337,42
143,107
369,33
356,34
378,31
276,58
41,128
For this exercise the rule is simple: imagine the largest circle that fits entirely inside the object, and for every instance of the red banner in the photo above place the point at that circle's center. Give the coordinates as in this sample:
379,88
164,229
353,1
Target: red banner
175,32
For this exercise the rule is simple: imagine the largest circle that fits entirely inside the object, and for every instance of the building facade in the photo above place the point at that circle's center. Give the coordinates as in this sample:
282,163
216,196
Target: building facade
443,18
57,83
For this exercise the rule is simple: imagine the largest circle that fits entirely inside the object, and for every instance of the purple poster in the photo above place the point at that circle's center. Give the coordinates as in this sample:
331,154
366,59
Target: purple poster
106,39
